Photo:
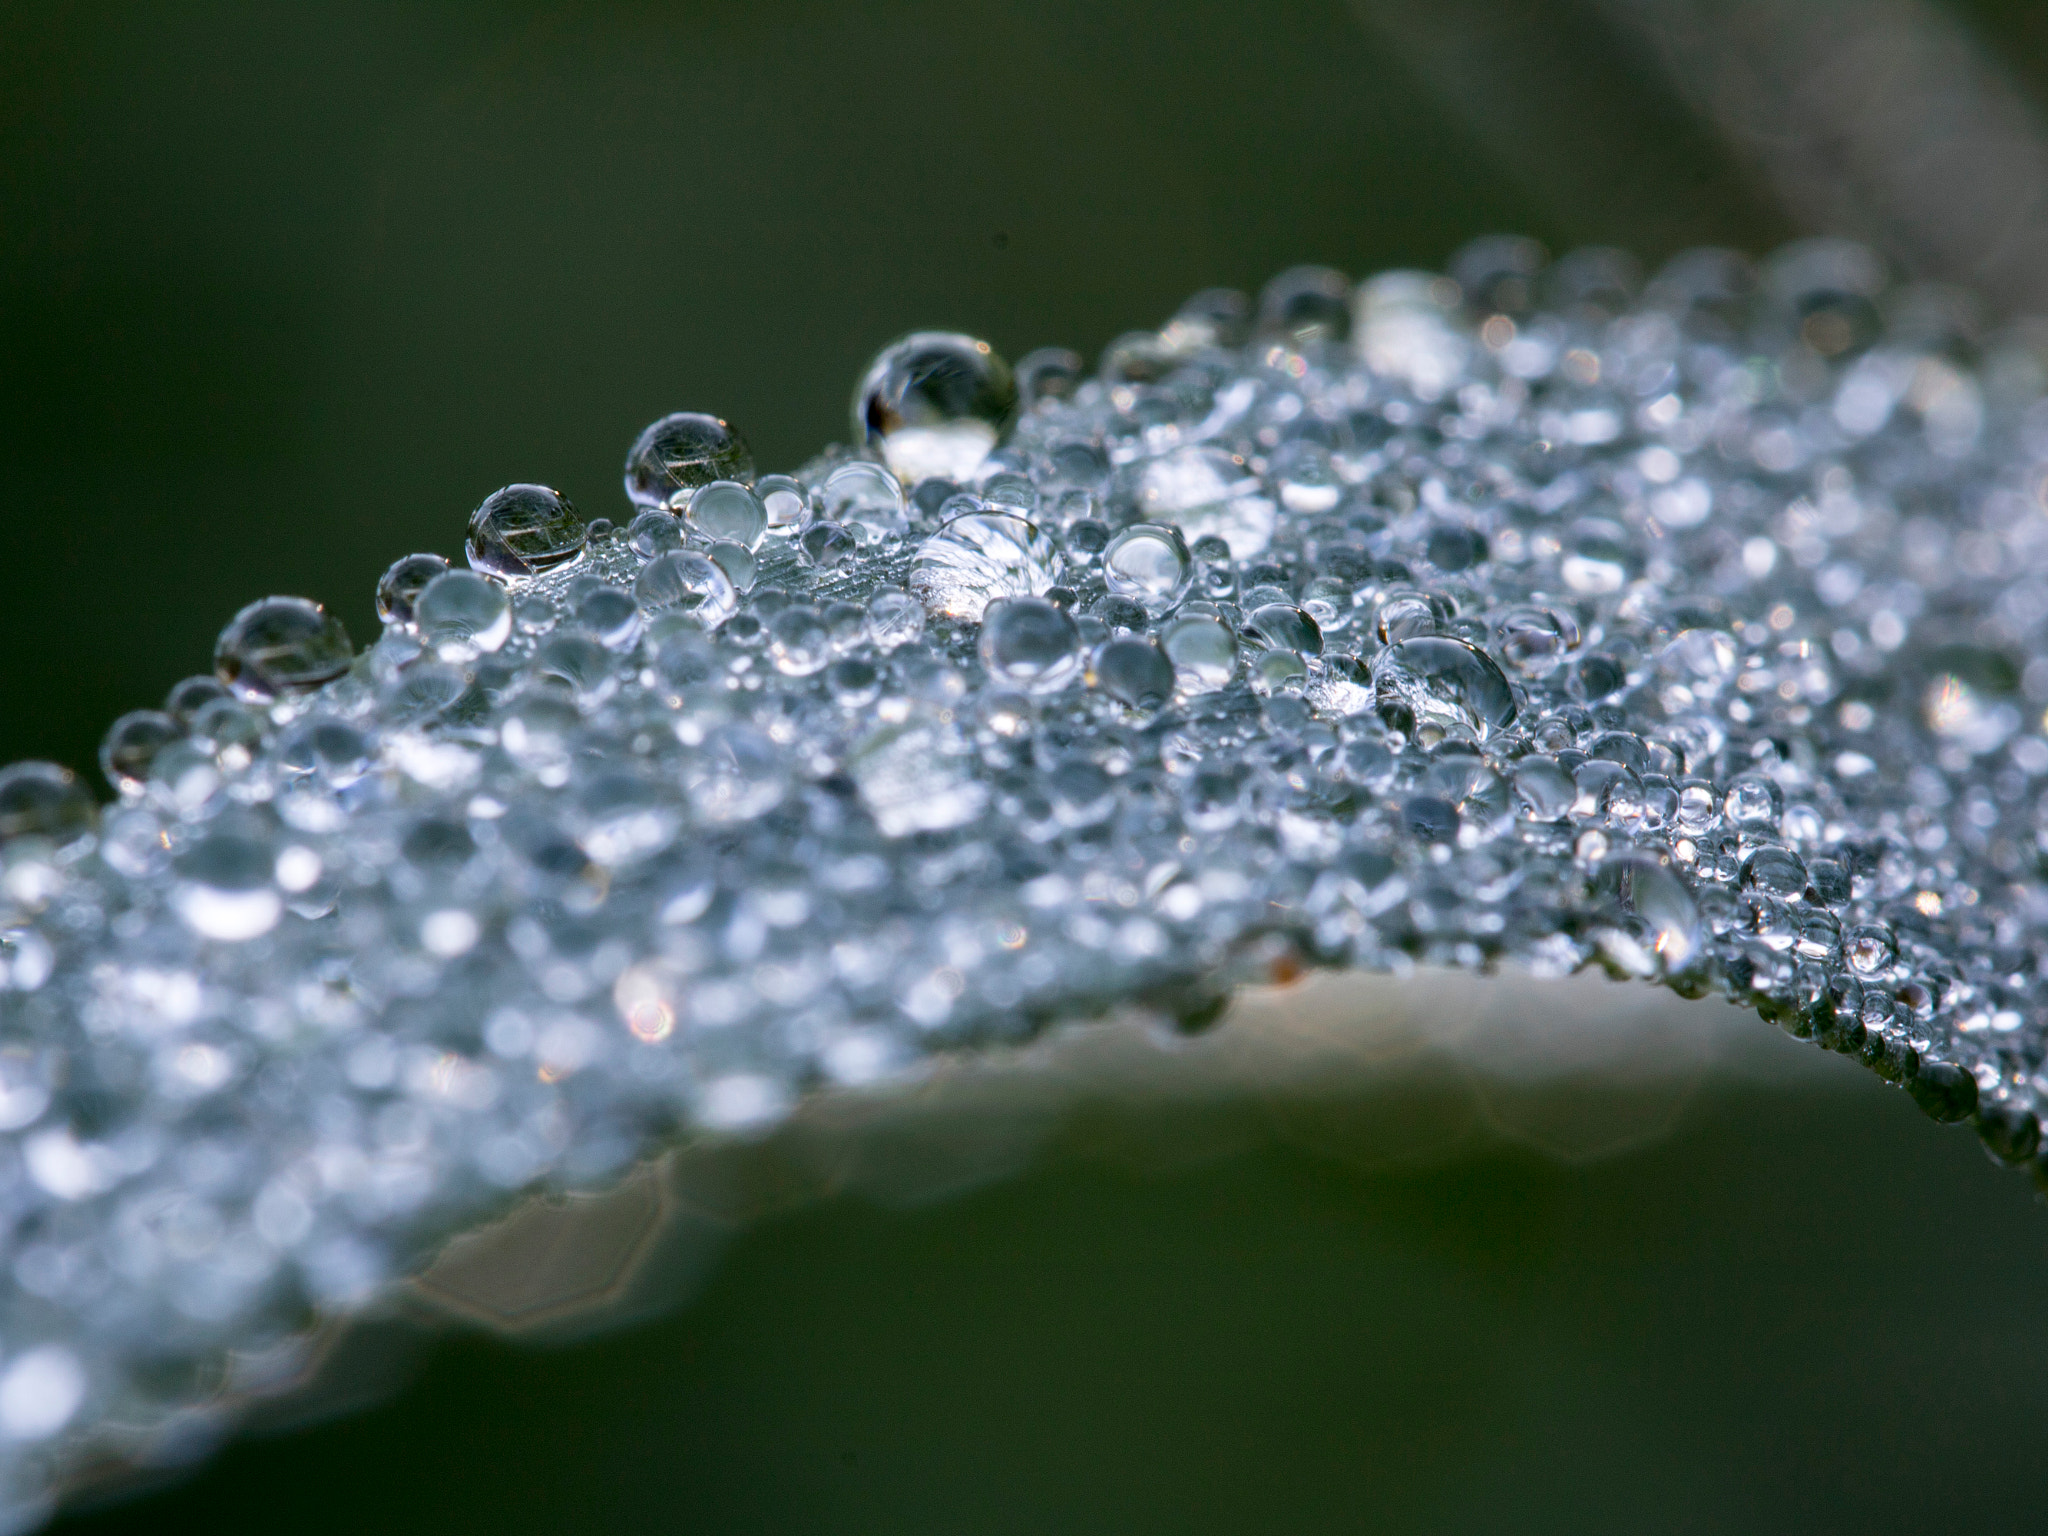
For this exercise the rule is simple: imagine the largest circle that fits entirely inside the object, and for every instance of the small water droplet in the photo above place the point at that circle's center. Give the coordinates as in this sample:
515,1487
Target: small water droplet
687,583
1535,640
738,563
786,502
400,586
1284,627
1049,374
799,641
1203,652
672,457
727,512
934,404
226,888
1431,683
866,498
654,532
131,745
523,530
894,618
1135,671
1148,563
462,615
279,646
825,544
47,801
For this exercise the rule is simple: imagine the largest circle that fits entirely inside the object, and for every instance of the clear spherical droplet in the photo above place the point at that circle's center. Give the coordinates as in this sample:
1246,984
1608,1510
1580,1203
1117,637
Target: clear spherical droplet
279,646
462,615
1135,671
653,532
1431,683
1149,563
738,563
1284,627
727,512
1028,643
687,583
1651,924
400,586
1306,304
866,498
1049,374
226,888
934,404
679,453
826,544
1534,640
799,641
786,502
981,556
894,618
187,698
1203,652
522,531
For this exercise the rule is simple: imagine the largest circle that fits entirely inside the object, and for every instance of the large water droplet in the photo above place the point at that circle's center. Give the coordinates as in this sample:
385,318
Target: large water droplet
1432,683
727,512
1149,563
1203,652
935,404
682,582
1029,643
981,556
400,586
523,530
281,645
866,497
679,453
461,615
1133,670
1284,627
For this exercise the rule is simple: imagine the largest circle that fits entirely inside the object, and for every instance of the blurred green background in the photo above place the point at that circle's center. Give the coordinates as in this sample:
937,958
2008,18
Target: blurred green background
286,290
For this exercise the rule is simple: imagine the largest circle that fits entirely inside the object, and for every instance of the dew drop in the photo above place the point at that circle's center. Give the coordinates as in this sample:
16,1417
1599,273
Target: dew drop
1284,627
934,404
398,589
981,556
1203,652
1431,683
672,457
522,531
727,512
1029,643
226,888
1135,671
894,618
785,501
687,583
131,745
1149,563
1652,926
799,641
278,646
462,615
866,498
46,801
1535,640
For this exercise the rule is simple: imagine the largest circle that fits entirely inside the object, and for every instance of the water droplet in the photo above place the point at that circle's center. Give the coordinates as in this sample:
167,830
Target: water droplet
654,532
1203,652
1304,305
935,404
192,695
1870,949
131,745
679,453
738,563
226,888
1284,627
799,641
1435,684
461,615
1135,671
727,512
1545,790
1049,374
894,618
1404,612
279,646
866,498
1653,926
825,545
1149,563
47,801
854,683
1208,493
1753,802
1027,642
400,586
687,583
784,499
736,775
1535,640
981,556
522,531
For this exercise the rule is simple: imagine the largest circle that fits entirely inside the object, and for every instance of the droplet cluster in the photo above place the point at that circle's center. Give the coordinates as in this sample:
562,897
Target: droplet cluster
1692,629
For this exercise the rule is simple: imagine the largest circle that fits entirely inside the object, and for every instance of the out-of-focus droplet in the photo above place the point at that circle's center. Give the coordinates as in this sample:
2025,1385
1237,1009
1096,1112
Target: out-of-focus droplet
679,453
279,646
131,745
894,618
226,888
400,586
1652,924
522,531
1049,374
1028,643
46,801
1203,652
1208,493
799,641
1306,304
934,404
1135,671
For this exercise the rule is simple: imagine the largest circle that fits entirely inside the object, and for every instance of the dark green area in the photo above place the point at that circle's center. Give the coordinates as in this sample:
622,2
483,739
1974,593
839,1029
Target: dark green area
1804,1311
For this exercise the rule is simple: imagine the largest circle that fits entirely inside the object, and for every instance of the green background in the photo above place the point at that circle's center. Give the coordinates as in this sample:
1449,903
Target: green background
286,290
